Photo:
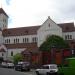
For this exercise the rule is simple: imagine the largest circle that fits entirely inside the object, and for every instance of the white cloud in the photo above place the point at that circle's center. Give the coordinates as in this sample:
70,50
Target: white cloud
34,12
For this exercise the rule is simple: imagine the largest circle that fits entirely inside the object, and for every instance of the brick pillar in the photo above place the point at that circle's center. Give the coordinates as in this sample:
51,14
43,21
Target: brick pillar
53,51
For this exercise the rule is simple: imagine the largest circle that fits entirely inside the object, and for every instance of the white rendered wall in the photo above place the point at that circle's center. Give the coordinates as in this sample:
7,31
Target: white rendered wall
20,38
46,30
15,51
1,38
3,25
69,33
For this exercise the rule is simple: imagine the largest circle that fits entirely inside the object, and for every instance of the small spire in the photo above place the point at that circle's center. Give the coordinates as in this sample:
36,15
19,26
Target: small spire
48,17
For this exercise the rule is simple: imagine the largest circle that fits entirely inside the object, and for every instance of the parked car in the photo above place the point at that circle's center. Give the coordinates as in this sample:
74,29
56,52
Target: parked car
7,64
22,66
4,64
47,69
10,65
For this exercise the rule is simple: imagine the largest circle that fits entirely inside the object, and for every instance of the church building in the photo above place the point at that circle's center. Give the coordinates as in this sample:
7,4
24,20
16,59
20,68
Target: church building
17,40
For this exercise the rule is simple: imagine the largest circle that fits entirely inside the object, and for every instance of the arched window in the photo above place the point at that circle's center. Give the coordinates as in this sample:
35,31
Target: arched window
11,53
14,41
49,25
34,39
2,54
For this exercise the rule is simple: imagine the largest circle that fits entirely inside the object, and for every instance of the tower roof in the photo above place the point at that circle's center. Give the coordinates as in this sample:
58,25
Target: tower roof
2,11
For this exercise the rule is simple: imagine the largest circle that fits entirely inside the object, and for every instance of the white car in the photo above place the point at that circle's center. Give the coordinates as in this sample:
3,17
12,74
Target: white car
4,64
47,69
10,65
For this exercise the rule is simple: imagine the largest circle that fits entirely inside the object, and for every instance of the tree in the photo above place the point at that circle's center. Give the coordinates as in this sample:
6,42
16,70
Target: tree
17,57
54,41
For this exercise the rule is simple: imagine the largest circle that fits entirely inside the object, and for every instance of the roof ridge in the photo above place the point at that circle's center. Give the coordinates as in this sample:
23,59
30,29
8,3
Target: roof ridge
23,27
2,11
67,23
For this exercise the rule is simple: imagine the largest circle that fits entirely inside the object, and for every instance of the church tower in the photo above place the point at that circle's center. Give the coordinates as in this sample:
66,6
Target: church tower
3,19
3,23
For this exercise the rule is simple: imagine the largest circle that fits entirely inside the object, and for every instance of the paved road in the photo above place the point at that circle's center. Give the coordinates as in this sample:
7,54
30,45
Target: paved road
5,71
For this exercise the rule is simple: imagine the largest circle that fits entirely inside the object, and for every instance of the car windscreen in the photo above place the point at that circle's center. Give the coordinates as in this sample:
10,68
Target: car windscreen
45,67
53,67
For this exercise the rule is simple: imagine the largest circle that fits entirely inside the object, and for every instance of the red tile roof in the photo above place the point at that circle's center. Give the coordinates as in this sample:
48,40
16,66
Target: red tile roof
29,46
21,31
2,11
2,50
67,27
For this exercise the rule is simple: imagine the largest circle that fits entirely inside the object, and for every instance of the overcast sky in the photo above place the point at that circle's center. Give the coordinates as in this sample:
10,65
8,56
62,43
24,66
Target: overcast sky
34,12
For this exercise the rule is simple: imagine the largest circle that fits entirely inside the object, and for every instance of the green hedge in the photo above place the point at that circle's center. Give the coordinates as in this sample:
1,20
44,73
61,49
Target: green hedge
67,70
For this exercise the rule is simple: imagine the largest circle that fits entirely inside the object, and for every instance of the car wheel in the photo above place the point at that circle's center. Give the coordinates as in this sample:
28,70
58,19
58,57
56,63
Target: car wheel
48,73
37,73
28,69
56,73
61,73
15,69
